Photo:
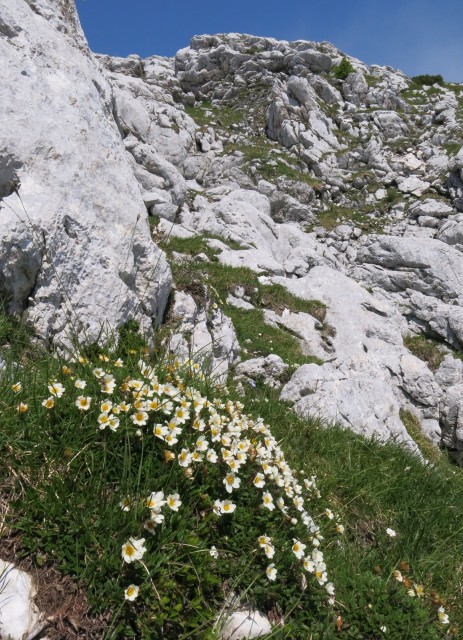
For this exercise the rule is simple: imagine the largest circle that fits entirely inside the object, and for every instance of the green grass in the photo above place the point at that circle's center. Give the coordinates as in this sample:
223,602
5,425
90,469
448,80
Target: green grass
254,335
223,116
343,69
261,150
420,81
64,479
429,450
452,148
372,81
425,349
334,215
375,487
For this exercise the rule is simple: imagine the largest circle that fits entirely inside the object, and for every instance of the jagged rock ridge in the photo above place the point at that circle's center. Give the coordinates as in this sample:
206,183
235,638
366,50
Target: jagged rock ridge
349,191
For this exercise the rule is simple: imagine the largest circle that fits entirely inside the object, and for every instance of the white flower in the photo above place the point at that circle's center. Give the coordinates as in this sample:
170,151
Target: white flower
231,482
201,444
156,500
103,420
133,550
443,617
83,403
391,533
213,552
106,406
211,456
309,565
317,556
160,431
131,592
298,548
271,572
109,384
150,526
264,540
329,514
173,501
48,403
340,528
383,628
126,504
227,506
157,516
268,501
56,389
184,457
139,418
80,384
329,588
259,480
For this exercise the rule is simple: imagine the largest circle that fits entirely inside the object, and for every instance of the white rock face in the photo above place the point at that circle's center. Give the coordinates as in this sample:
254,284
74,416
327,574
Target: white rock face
361,386
75,249
399,264
19,616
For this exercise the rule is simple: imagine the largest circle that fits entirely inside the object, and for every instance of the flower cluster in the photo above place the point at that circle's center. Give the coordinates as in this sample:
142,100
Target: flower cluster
416,590
196,431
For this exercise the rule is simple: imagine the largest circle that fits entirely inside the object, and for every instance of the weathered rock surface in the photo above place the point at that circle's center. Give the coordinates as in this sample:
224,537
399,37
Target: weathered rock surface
362,385
19,616
269,370
245,623
75,250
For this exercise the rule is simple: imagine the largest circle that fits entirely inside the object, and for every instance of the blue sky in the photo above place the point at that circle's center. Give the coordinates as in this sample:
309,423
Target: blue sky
417,36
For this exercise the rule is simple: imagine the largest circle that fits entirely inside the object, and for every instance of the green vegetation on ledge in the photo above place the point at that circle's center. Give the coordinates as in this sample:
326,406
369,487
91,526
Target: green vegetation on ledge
343,69
255,336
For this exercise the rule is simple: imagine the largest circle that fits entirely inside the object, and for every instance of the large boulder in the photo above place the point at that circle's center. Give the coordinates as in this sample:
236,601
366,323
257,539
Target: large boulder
75,252
370,375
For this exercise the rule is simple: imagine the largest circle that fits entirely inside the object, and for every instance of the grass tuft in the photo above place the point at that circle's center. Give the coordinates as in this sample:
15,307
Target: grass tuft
426,350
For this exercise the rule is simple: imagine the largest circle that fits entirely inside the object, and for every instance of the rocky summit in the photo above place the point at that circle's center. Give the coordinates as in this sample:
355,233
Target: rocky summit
341,182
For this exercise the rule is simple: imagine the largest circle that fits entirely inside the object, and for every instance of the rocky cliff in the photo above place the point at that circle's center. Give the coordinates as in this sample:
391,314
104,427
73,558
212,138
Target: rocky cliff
339,181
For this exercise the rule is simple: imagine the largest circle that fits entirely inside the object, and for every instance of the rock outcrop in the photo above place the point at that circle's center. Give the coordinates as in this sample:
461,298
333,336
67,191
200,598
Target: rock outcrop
76,254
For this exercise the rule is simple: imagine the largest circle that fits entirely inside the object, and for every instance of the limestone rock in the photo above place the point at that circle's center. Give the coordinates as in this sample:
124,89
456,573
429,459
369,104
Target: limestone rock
245,623
399,264
414,185
75,249
431,207
358,387
19,615
269,369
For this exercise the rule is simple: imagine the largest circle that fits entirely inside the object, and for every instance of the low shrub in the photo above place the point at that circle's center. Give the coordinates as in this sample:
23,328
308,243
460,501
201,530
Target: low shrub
422,80
342,70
